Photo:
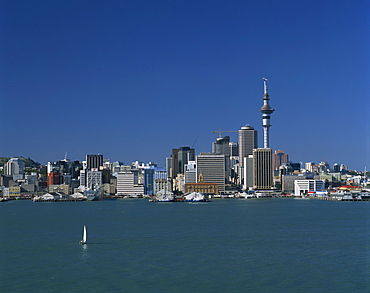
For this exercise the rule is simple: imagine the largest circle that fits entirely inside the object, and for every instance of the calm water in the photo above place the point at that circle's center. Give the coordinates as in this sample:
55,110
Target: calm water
231,245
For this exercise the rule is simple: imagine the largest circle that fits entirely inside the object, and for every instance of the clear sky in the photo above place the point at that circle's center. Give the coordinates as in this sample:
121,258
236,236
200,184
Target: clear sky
133,79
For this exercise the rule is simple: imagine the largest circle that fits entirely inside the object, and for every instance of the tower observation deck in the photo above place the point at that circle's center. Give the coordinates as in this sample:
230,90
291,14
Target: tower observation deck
266,111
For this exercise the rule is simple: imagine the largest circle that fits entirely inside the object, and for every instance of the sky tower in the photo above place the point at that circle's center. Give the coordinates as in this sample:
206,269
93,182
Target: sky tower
266,111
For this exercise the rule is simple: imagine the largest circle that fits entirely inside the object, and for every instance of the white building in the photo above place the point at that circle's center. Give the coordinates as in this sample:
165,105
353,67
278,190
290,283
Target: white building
94,179
303,187
127,184
14,167
190,172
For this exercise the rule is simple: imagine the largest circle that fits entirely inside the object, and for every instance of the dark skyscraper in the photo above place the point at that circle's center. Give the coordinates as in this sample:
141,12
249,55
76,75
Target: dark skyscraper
94,161
180,157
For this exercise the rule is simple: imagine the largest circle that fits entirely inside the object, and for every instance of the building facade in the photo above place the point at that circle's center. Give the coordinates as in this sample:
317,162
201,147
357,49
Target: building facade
279,158
128,184
14,167
248,141
211,169
262,168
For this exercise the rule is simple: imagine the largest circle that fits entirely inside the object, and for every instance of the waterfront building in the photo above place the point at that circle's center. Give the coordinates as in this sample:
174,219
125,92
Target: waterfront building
279,158
205,188
128,183
149,181
266,111
262,168
287,182
14,167
59,188
160,180
211,168
94,179
303,187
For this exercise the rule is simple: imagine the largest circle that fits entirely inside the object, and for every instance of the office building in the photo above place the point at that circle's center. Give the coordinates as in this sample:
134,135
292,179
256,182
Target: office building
303,187
128,184
179,158
94,162
190,172
262,168
247,141
221,146
94,179
14,167
211,169
247,172
278,159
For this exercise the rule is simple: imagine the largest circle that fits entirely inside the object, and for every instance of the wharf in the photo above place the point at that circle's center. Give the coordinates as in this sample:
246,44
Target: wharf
58,200
343,199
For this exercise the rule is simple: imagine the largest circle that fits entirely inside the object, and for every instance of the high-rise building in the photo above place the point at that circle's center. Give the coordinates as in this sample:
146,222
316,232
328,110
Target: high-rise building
55,178
248,172
278,159
266,111
180,157
247,141
262,168
15,168
211,169
149,181
94,162
221,146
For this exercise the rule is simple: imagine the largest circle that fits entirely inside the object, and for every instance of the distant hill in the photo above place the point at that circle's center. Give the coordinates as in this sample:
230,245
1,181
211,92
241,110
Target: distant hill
28,162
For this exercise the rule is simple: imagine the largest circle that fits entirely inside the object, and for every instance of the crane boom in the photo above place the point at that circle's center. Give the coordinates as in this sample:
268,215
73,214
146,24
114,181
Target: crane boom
222,131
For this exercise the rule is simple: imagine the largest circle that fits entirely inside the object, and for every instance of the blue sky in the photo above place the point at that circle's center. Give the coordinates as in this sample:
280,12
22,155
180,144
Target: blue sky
133,79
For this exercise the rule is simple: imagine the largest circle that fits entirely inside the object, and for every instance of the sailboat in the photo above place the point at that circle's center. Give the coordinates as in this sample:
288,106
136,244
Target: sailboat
84,236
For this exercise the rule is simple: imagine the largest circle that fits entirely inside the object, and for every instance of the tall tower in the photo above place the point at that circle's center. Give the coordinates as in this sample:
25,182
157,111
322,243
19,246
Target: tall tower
266,111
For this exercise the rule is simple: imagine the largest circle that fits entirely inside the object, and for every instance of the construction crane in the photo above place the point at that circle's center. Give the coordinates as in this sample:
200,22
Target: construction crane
220,132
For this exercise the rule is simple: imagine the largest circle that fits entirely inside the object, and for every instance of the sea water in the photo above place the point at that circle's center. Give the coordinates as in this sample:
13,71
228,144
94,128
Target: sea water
226,245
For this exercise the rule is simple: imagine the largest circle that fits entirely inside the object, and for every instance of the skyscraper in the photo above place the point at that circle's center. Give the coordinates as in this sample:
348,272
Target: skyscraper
14,167
262,168
180,157
211,169
94,161
279,158
247,141
266,111
221,146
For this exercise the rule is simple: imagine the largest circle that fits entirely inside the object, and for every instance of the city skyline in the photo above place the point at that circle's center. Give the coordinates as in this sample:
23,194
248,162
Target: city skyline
133,80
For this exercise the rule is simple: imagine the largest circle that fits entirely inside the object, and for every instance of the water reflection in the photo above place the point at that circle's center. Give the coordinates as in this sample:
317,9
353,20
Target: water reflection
84,252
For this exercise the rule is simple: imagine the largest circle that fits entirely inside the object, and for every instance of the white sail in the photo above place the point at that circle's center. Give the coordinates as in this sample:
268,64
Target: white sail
84,237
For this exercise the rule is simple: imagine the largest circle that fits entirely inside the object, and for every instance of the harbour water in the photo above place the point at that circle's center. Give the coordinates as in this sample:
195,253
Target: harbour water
226,245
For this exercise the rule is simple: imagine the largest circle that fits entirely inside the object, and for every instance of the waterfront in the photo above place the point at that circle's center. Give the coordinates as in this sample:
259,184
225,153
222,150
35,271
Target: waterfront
226,245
